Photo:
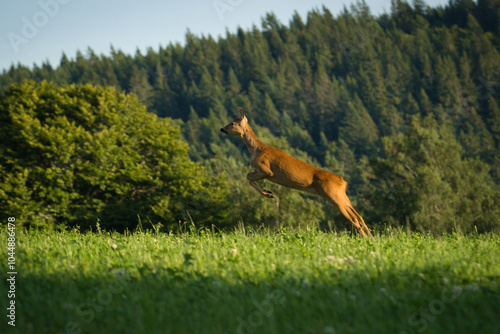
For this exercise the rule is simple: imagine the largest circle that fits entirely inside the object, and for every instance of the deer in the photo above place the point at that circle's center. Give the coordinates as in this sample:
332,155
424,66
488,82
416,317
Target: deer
279,167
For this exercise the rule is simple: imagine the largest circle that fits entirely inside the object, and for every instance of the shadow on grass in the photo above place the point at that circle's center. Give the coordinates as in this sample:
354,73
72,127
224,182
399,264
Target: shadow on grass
173,301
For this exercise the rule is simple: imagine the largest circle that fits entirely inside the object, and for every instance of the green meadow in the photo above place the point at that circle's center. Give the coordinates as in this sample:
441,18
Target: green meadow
253,281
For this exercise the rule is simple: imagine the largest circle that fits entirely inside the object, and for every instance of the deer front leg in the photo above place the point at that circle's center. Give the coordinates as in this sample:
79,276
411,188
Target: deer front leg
253,177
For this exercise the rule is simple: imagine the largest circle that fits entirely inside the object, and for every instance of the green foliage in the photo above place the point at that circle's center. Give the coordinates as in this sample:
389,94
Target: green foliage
336,91
253,282
79,154
431,186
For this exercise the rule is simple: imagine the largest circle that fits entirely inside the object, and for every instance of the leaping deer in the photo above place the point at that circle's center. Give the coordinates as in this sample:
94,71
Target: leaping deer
278,167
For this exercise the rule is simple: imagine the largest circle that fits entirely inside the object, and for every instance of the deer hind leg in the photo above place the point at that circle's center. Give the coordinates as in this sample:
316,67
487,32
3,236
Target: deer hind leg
352,218
253,177
360,220
348,211
356,216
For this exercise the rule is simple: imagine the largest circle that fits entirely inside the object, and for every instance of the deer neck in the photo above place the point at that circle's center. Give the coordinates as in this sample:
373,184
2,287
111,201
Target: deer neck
251,141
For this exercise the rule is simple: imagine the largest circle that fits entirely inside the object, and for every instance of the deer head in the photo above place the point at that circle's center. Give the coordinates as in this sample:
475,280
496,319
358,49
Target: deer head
236,127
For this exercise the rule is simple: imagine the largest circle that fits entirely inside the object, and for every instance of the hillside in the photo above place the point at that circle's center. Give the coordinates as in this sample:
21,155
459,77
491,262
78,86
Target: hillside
404,106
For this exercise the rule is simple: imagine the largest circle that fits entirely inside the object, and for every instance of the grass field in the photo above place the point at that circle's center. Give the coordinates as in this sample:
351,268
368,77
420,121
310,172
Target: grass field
253,282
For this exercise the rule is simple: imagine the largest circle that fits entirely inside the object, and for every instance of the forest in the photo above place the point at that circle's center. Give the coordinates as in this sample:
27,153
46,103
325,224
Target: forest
405,106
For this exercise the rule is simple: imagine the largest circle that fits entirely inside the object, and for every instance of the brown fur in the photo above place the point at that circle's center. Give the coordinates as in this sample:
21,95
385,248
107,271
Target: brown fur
278,167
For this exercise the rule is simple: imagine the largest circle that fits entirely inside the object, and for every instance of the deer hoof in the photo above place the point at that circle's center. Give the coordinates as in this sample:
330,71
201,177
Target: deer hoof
269,194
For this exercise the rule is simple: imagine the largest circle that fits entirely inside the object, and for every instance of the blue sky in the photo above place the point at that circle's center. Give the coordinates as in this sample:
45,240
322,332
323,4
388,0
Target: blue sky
33,31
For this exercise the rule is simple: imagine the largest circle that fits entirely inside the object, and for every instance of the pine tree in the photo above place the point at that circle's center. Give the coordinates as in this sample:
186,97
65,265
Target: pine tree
358,129
330,89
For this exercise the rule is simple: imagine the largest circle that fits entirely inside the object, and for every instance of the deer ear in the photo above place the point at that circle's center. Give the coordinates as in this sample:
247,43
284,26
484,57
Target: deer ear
242,113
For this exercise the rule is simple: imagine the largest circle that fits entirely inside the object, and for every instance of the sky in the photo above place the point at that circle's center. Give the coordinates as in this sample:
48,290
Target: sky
37,31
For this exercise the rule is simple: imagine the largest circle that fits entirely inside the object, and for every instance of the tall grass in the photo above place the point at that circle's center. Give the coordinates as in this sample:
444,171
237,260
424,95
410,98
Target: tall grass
249,281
